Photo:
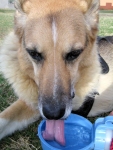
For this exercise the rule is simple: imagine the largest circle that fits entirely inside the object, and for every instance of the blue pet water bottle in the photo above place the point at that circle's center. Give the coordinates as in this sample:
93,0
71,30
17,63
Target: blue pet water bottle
81,134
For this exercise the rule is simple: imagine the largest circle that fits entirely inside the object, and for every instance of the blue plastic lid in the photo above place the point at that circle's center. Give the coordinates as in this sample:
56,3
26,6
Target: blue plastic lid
81,134
103,128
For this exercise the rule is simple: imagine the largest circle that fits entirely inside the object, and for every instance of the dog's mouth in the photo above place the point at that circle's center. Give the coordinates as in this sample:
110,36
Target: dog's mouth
54,129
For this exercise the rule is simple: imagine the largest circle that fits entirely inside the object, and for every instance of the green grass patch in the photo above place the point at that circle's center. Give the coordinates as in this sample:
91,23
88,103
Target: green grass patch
106,11
6,11
27,139
7,96
6,24
106,26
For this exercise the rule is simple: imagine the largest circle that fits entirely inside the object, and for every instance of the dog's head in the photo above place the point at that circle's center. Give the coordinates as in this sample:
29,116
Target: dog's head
57,39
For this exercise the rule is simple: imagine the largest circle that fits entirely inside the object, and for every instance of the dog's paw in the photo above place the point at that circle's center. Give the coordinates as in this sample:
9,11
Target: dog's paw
3,126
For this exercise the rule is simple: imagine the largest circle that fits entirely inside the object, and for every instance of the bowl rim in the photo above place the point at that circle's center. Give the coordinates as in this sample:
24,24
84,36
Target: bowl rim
68,120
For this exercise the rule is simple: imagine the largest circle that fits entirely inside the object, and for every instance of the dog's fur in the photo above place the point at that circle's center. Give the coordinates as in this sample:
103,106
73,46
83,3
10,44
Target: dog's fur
46,84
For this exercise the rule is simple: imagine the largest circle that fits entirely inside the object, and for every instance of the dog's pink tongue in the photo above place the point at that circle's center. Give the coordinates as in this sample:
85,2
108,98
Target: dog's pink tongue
54,130
48,134
59,132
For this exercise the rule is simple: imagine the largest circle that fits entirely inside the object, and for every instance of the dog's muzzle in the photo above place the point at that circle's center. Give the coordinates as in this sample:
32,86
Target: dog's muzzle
54,109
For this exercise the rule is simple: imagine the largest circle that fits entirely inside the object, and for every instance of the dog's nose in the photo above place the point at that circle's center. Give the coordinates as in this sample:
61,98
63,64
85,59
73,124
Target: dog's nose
53,113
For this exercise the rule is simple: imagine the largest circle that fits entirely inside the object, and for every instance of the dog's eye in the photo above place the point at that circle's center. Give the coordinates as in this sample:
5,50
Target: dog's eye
35,55
73,55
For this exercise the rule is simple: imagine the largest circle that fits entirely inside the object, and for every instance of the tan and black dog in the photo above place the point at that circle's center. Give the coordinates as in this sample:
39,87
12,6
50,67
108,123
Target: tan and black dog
52,61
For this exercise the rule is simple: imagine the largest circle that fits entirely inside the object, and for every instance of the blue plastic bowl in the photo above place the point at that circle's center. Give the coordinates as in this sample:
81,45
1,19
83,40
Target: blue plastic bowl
78,135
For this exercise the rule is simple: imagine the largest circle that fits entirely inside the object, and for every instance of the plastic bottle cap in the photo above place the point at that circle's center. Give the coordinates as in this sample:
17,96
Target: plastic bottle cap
108,139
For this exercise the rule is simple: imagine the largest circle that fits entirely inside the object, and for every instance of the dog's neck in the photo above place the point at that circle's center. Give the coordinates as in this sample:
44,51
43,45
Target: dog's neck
104,65
87,105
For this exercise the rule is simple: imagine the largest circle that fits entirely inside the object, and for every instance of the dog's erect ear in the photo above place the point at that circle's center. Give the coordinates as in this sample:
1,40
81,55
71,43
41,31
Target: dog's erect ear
22,6
92,16
90,8
22,9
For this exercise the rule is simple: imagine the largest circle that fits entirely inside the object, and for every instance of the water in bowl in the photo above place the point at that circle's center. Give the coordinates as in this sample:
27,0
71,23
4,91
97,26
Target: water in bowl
77,137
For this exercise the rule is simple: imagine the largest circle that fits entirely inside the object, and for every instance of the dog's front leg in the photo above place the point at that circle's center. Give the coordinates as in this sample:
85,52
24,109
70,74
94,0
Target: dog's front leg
17,117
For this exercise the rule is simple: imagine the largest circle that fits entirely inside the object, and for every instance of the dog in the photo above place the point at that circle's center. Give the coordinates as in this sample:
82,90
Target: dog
55,63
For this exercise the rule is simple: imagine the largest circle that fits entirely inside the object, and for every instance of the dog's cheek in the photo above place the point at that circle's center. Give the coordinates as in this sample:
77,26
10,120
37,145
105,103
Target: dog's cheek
36,70
74,72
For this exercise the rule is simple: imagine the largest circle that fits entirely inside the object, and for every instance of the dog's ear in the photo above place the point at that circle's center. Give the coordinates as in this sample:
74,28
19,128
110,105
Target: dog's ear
22,6
92,16
83,4
22,9
90,9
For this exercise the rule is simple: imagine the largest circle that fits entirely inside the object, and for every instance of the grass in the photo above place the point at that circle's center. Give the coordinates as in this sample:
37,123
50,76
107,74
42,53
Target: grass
106,26
27,139
6,94
106,11
6,23
6,11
